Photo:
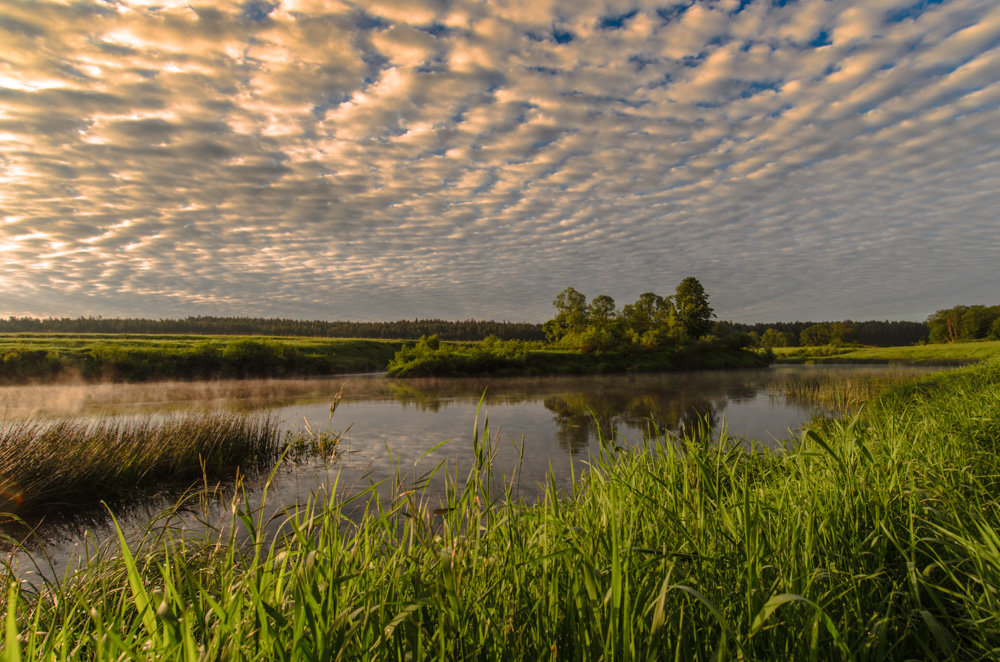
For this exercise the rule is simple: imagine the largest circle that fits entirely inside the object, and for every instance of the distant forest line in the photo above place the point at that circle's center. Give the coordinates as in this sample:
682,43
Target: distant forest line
959,323
273,326
878,333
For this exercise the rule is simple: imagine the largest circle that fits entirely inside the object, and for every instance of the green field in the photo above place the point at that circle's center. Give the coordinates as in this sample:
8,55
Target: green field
958,351
874,538
42,357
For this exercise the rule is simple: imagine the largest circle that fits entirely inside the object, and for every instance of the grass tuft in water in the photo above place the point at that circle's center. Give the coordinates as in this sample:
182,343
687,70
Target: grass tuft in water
69,463
842,394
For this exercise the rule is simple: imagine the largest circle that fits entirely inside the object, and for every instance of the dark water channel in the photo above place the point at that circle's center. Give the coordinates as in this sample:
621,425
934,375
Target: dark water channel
396,427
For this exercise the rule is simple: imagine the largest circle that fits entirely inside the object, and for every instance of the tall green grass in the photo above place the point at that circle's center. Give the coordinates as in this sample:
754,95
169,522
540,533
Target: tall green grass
929,353
873,538
47,466
839,393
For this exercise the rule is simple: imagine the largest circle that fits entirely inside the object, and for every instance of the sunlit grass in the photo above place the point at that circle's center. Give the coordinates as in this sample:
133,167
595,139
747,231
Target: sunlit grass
958,351
874,538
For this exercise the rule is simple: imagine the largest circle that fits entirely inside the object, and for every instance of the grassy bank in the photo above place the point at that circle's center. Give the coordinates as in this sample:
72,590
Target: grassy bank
876,538
28,358
845,394
515,358
941,352
58,466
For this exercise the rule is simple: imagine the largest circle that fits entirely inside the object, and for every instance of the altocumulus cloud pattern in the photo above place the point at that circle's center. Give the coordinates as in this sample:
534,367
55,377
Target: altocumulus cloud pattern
399,158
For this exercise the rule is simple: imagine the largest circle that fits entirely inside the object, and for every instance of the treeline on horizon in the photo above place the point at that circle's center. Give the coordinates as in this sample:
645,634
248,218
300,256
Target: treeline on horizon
877,333
274,326
959,323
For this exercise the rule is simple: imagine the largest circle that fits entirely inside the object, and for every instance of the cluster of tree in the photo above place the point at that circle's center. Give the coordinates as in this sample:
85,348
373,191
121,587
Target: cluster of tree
795,334
828,333
965,323
652,320
253,326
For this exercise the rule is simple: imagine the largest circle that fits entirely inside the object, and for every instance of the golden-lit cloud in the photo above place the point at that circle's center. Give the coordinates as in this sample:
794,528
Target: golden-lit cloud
456,158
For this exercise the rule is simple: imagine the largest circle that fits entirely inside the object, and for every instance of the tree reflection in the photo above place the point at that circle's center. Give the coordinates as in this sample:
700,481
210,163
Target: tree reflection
584,417
608,407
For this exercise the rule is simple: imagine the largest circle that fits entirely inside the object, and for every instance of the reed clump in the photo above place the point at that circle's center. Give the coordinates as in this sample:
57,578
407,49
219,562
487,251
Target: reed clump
842,394
69,463
873,538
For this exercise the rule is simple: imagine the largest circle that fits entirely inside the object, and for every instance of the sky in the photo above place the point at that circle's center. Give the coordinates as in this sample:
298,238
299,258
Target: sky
393,159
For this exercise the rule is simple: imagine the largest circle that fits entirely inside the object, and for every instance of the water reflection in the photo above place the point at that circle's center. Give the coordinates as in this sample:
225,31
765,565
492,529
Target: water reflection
581,417
586,409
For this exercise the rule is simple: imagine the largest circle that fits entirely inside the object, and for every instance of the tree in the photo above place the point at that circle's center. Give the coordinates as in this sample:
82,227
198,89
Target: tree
815,335
602,311
975,322
640,316
693,312
571,314
773,338
841,333
945,325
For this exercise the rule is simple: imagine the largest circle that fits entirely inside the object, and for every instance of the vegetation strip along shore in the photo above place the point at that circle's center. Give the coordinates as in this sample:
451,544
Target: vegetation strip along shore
874,538
74,357
430,358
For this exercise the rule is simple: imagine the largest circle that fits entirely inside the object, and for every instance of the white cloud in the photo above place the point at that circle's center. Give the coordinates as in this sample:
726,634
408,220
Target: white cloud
455,159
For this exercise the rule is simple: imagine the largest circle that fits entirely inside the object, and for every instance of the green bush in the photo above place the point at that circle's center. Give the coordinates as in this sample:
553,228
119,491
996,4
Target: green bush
21,365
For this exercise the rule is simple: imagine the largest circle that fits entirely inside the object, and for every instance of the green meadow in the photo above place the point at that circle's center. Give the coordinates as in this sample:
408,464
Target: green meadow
928,353
26,357
872,537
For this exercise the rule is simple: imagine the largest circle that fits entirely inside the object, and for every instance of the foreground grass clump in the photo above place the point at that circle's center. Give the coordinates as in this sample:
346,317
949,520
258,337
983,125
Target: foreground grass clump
875,538
51,465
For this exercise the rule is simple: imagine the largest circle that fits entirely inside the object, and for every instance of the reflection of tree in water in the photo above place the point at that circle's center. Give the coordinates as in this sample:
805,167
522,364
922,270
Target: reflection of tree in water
676,403
422,399
580,417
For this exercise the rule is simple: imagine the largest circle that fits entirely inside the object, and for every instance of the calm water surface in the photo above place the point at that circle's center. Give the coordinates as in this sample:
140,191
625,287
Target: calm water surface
396,427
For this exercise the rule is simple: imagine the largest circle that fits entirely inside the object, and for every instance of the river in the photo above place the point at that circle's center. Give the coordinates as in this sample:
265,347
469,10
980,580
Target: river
541,428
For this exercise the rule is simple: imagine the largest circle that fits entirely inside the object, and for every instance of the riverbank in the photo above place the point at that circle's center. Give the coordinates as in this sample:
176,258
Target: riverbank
875,538
941,353
88,358
45,358
514,359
